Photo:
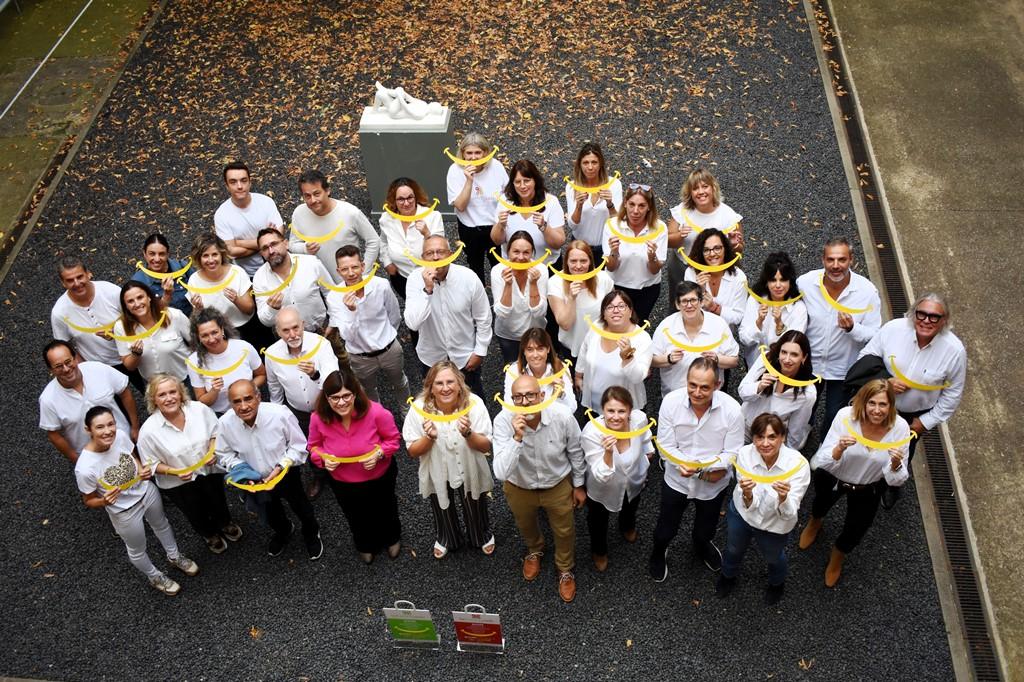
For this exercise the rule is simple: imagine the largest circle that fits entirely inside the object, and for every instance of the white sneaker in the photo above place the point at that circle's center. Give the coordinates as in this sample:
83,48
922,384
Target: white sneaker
165,585
185,565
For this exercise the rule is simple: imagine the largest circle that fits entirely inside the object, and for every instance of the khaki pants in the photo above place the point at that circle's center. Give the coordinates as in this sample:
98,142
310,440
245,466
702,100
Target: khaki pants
557,503
391,363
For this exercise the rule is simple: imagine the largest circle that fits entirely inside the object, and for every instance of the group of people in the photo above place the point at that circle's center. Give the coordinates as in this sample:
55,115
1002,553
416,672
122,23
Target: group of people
263,351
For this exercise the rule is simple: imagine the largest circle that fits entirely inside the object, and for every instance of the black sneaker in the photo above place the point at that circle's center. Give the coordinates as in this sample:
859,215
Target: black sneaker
890,497
278,541
315,547
724,586
712,557
773,593
658,567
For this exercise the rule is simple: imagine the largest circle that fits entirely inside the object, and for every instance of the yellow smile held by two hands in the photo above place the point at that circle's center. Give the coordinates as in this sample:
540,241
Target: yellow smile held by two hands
700,267
543,381
284,285
218,373
165,275
209,290
915,384
692,349
615,336
530,409
411,218
437,263
521,209
475,162
877,444
257,487
593,190
352,287
443,418
620,434
295,360
348,460
520,266
682,462
630,239
782,377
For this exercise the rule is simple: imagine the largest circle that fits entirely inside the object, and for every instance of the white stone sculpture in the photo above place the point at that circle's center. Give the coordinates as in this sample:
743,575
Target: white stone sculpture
397,103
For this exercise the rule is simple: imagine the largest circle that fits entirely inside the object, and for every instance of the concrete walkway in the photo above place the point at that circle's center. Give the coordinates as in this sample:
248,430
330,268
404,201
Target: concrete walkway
941,86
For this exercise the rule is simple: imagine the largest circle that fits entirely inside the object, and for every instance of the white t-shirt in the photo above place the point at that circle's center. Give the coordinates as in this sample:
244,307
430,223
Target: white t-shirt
63,409
713,330
239,281
554,216
235,349
593,216
162,442
722,218
490,180
165,350
632,272
732,293
116,467
232,222
104,309
586,304
602,369
511,322
355,230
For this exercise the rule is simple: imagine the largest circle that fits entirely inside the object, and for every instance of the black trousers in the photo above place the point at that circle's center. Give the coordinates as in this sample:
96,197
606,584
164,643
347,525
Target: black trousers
644,300
597,522
257,333
478,246
446,521
203,503
670,515
290,490
371,509
861,506
398,284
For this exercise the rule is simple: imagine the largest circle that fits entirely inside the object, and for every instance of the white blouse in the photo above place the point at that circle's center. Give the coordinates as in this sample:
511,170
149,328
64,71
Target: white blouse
586,304
593,214
795,410
398,240
511,322
632,272
490,180
794,318
722,218
165,350
627,475
160,441
601,370
859,464
732,293
554,216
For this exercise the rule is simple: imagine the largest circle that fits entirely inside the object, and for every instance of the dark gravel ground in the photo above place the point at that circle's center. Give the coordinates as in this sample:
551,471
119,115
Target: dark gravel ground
733,85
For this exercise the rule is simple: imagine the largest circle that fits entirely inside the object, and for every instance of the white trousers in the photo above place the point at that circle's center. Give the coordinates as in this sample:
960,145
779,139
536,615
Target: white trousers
129,525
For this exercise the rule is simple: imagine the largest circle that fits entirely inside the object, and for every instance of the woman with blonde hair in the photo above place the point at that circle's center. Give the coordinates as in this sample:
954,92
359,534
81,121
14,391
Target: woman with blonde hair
473,182
587,211
448,430
635,244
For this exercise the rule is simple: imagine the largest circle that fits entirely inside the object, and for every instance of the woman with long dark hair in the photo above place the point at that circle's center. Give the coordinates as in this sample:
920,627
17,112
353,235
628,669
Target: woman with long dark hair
783,386
712,265
591,197
527,206
405,198
150,336
160,273
774,307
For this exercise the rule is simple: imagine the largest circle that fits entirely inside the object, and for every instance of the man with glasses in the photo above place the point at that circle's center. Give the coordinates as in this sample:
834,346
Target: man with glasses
540,458
301,289
694,327
927,365
447,305
836,335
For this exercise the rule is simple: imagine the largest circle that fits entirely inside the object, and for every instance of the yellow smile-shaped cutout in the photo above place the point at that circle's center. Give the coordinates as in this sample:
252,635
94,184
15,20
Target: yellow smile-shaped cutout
758,478
620,434
914,384
782,377
209,290
520,266
521,209
257,487
439,263
687,347
877,444
582,277
351,287
544,381
411,218
218,372
349,460
530,409
131,338
88,330
630,239
316,240
475,162
592,190
682,462
165,275
835,304
708,268
203,461
698,229
453,417
615,336
774,304
284,285
295,360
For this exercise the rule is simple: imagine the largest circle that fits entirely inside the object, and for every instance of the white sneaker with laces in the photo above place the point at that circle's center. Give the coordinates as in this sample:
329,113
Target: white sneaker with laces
185,565
165,585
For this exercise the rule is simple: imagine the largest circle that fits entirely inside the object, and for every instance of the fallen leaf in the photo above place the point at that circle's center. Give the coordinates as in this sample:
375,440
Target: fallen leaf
255,632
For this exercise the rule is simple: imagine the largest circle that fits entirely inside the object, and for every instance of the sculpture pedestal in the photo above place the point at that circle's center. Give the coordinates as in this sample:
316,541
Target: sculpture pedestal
392,148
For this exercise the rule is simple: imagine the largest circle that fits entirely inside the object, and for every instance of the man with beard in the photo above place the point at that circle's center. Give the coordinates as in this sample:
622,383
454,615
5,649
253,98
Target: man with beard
298,275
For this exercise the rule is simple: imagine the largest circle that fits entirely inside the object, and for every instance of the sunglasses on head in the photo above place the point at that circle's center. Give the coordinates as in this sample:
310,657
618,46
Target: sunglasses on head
643,188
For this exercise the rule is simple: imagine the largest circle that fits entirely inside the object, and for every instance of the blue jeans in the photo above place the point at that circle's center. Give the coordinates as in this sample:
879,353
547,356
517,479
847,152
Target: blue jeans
771,545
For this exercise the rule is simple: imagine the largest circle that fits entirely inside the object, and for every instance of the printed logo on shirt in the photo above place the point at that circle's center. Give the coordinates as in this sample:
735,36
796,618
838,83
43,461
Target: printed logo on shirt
122,472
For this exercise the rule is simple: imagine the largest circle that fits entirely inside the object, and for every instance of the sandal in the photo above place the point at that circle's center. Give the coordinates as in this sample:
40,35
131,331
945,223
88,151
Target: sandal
488,547
394,550
440,551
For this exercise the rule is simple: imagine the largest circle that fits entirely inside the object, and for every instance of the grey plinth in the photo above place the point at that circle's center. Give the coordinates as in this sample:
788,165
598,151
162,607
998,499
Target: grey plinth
393,148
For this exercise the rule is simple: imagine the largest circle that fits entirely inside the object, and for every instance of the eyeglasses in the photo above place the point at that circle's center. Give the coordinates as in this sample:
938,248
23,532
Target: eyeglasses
689,302
714,249
520,398
636,186
617,306
437,254
931,317
341,399
405,199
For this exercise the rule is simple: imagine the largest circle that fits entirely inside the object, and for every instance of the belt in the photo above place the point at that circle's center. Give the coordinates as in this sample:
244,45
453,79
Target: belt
856,487
375,353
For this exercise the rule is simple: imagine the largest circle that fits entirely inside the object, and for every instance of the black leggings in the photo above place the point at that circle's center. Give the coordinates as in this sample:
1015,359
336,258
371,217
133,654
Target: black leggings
861,506
478,246
597,522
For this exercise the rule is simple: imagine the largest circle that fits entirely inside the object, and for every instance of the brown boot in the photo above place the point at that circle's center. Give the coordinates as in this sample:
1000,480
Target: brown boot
600,562
835,568
810,532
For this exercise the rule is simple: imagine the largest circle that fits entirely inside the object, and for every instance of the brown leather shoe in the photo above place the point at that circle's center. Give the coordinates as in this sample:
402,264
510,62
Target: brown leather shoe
600,562
810,532
630,536
531,566
835,568
567,587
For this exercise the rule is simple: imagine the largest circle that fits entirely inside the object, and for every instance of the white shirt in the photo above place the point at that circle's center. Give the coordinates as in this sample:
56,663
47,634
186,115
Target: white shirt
718,434
454,321
374,323
216,362
287,383
356,229
794,410
162,442
586,304
721,218
546,455
627,475
274,439
794,318
943,360
232,222
590,228
488,181
765,512
567,397
104,309
554,216
239,281
398,240
165,350
632,272
63,409
732,293
602,369
860,465
713,329
116,467
833,350
511,322
303,292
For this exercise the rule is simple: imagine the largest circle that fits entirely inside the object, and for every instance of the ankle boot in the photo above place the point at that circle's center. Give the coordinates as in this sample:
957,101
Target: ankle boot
835,568
810,532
